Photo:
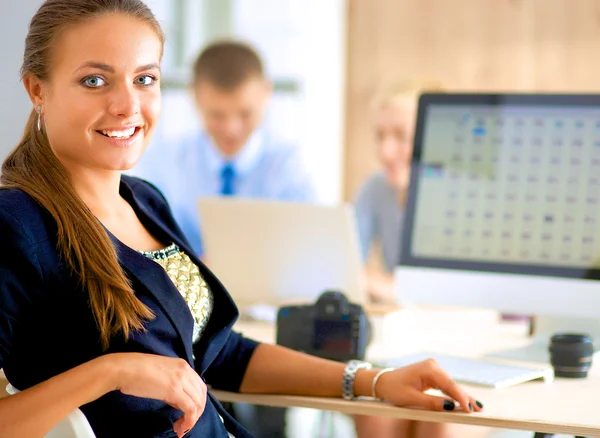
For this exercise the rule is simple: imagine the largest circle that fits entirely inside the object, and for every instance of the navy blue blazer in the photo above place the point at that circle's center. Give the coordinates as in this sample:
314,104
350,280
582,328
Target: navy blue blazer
46,325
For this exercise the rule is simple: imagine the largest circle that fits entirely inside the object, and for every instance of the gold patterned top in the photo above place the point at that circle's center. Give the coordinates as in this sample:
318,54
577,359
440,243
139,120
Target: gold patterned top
186,277
189,282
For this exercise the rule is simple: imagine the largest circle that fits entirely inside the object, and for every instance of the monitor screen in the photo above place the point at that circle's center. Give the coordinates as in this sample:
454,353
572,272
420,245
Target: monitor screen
506,183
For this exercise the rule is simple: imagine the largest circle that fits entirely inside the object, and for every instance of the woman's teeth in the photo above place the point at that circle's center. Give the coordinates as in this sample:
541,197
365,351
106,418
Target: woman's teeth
119,134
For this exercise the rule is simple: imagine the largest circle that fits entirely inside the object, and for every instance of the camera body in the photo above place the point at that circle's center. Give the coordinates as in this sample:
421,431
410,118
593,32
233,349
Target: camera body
331,328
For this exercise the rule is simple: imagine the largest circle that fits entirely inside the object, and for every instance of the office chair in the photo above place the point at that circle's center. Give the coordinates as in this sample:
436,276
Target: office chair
75,425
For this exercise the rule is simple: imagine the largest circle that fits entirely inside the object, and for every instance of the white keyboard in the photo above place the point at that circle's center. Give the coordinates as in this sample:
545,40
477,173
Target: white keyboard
481,372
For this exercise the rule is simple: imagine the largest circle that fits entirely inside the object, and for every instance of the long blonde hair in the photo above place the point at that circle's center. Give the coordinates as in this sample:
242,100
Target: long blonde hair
32,167
404,91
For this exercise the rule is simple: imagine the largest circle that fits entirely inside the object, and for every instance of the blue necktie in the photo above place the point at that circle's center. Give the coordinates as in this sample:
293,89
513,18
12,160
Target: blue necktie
228,180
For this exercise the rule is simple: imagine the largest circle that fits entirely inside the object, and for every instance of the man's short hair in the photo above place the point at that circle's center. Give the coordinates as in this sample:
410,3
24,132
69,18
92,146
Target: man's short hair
227,64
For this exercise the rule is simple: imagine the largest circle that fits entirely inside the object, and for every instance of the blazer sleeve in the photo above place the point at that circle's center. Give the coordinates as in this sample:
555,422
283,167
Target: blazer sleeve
227,371
20,278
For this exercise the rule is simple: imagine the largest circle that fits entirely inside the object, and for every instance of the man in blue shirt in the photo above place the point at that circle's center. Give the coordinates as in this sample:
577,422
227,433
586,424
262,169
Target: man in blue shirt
233,155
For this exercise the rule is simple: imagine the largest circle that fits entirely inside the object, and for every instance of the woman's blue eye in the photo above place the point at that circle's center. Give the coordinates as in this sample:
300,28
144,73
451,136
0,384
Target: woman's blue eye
93,81
145,80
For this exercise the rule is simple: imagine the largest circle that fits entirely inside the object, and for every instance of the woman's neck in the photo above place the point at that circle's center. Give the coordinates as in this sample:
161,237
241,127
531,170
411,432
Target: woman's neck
402,195
99,191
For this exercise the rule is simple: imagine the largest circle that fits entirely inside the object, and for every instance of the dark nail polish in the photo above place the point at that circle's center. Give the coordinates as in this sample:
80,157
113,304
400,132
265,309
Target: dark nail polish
448,405
478,403
471,407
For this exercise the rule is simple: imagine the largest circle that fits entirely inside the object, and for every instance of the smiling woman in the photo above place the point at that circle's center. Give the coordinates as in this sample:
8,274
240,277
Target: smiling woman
75,98
104,86
103,305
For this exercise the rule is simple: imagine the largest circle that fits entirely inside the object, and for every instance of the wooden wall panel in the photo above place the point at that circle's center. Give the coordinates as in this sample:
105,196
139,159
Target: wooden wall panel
520,45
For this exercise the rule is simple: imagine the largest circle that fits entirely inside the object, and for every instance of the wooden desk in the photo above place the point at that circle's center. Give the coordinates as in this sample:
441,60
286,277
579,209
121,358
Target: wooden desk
564,406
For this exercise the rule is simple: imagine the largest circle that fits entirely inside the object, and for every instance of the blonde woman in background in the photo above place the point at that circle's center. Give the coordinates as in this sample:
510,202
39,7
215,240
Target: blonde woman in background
380,201
380,211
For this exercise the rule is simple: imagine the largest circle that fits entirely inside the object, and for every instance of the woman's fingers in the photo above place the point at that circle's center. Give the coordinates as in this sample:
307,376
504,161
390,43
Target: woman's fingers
438,378
171,380
188,406
475,404
194,390
200,386
432,402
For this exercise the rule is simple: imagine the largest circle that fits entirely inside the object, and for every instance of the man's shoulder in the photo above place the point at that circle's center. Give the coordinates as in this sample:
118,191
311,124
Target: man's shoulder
163,146
278,147
189,139
163,155
280,153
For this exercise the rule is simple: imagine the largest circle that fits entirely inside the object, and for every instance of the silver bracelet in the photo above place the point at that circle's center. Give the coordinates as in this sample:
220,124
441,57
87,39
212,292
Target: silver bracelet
350,375
376,378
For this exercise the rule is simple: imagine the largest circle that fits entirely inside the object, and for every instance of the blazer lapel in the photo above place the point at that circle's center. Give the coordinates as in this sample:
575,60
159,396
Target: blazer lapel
160,286
224,313
157,282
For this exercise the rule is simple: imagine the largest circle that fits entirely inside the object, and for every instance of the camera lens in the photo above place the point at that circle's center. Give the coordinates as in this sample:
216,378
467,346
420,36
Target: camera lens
571,354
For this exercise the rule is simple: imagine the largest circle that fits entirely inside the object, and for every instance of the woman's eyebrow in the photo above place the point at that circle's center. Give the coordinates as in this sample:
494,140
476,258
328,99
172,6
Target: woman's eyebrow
108,68
151,66
95,64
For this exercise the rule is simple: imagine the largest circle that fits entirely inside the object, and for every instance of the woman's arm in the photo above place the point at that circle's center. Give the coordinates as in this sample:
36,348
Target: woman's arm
277,370
37,410
380,285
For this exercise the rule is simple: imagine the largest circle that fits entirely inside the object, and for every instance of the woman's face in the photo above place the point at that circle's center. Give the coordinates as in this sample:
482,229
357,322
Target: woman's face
102,100
394,135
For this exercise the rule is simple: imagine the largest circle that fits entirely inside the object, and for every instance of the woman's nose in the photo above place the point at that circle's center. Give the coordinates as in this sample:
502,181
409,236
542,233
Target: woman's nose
124,102
389,149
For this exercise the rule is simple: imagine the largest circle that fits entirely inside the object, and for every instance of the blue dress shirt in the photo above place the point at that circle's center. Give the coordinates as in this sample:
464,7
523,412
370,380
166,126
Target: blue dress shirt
193,167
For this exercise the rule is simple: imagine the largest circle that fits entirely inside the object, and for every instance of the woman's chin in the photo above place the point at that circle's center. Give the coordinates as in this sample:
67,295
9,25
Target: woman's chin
399,182
123,166
392,178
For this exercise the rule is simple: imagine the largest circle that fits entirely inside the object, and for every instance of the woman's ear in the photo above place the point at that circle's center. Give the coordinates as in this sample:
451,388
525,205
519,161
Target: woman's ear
35,89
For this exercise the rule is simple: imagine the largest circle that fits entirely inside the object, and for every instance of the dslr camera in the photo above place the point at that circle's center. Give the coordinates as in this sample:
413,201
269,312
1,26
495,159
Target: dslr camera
331,328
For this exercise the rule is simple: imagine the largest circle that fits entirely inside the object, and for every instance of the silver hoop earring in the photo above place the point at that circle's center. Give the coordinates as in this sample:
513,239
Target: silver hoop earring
39,120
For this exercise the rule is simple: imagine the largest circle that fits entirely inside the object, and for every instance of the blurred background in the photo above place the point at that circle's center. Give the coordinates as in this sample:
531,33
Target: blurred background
328,57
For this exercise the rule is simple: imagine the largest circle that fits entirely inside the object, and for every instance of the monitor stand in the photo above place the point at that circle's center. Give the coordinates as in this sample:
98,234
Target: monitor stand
545,327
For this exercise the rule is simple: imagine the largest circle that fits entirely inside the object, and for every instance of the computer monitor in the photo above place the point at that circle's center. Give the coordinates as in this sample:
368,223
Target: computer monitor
277,252
503,209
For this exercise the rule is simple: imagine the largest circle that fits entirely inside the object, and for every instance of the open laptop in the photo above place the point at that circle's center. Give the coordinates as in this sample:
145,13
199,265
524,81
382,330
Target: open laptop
276,252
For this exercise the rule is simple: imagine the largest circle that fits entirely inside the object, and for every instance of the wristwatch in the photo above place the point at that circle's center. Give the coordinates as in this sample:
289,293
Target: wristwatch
350,376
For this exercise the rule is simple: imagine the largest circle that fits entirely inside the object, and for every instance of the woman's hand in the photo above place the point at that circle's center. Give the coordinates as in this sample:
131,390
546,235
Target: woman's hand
162,378
406,386
380,286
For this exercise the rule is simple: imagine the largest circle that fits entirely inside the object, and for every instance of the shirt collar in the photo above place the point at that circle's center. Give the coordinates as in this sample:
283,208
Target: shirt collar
245,159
